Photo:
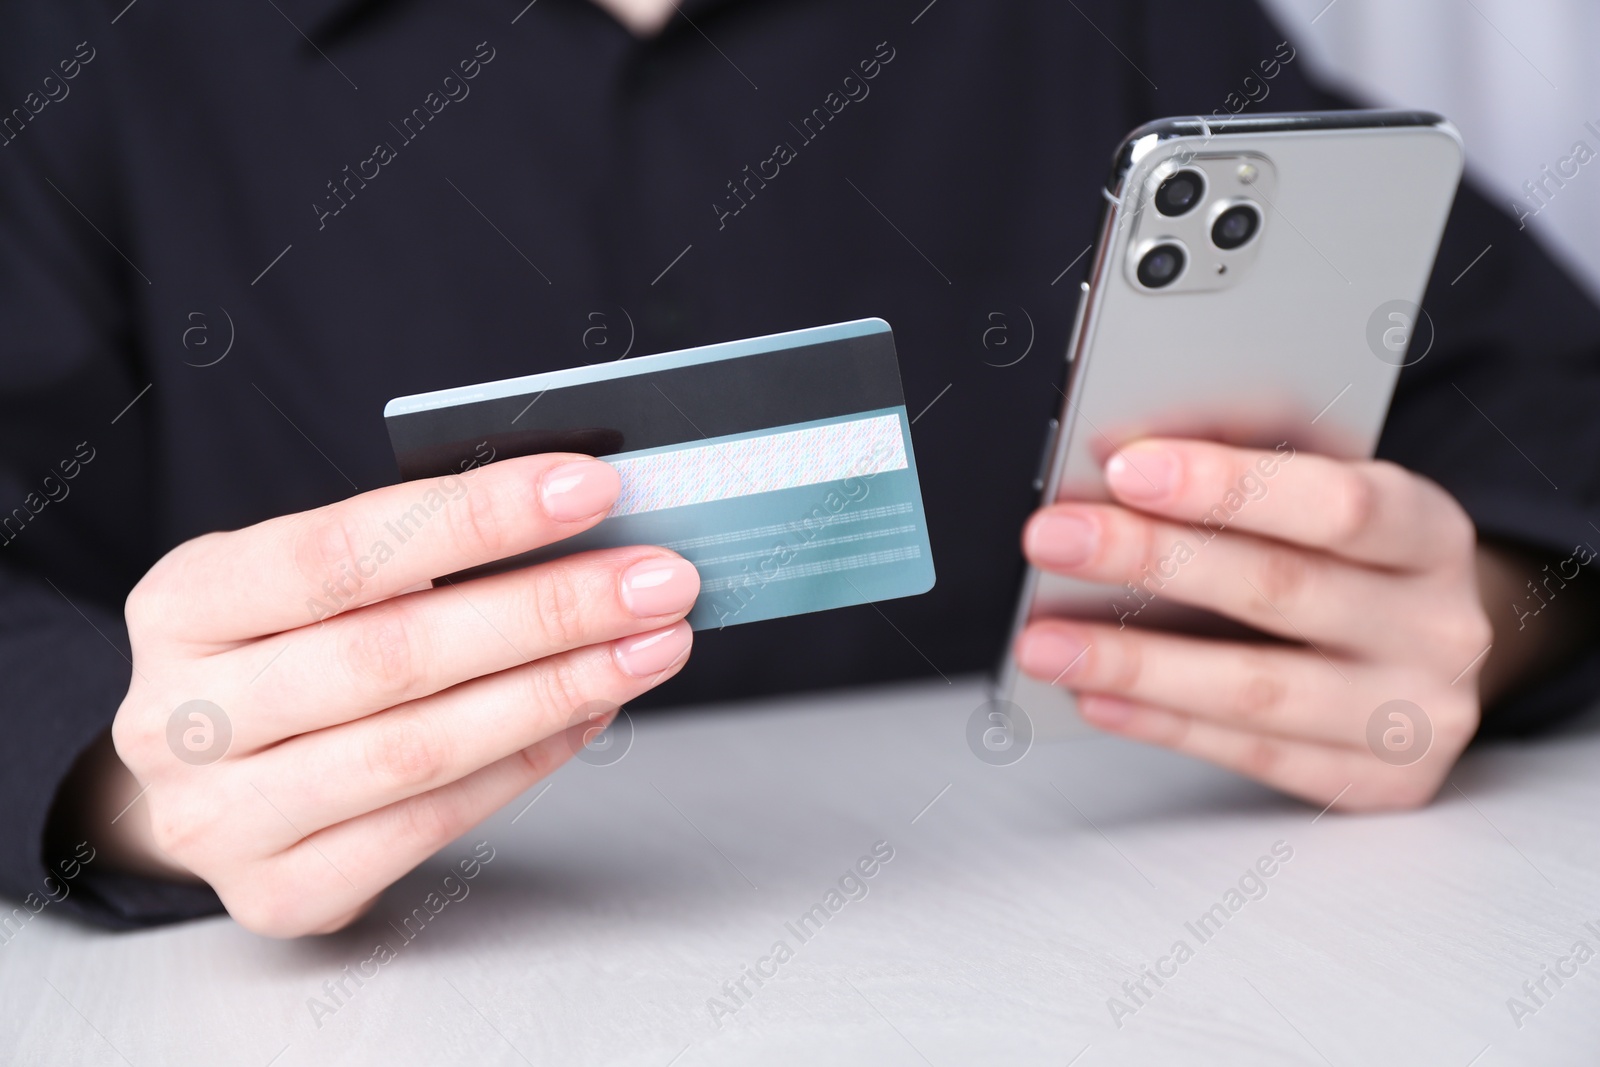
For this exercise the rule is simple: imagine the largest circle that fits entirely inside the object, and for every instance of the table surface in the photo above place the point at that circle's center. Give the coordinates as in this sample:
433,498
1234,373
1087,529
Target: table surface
625,903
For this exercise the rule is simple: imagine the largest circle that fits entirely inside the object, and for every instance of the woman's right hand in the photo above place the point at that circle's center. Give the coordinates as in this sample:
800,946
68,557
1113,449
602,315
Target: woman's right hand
360,719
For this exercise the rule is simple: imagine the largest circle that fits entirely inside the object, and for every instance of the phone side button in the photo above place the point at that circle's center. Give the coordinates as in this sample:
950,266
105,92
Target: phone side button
1044,459
1077,320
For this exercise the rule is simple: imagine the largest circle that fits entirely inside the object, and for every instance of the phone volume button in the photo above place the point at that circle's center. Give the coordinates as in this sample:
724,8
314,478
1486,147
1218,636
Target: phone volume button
1050,436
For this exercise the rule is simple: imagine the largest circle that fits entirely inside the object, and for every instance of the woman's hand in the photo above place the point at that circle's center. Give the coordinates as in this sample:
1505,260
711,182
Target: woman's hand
358,719
1366,570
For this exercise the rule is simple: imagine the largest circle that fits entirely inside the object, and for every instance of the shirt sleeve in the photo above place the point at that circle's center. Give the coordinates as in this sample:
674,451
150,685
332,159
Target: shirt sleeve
73,462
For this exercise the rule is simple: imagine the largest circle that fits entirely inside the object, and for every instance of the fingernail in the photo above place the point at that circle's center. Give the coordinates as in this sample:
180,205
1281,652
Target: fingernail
1143,473
1109,712
1049,654
576,491
653,653
1062,539
663,586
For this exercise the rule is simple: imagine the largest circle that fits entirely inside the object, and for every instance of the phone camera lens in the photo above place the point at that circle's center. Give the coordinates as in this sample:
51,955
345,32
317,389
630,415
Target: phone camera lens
1235,227
1179,193
1161,266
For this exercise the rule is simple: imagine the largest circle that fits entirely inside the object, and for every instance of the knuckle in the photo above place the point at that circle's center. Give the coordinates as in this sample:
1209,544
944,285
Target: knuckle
541,758
407,752
149,601
1149,549
379,654
1172,730
155,601
1261,756
1464,633
1479,630
1123,668
167,833
267,909
559,688
327,546
558,606
1450,527
179,830
1262,691
1453,730
1460,533
1351,503
1281,578
430,820
138,738
143,608
482,523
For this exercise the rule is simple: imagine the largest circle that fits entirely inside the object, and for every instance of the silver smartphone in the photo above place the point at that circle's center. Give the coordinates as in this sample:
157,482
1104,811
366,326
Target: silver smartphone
1255,281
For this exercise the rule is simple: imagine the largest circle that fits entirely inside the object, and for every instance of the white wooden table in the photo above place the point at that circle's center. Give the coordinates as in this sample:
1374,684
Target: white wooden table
1018,901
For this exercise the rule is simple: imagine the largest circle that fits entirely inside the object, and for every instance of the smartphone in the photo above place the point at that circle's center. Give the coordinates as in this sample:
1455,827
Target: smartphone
1257,281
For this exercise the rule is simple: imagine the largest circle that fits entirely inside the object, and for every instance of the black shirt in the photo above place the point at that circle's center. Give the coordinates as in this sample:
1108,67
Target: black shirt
229,233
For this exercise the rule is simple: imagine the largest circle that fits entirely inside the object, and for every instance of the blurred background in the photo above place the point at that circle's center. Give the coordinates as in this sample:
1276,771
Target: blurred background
1519,77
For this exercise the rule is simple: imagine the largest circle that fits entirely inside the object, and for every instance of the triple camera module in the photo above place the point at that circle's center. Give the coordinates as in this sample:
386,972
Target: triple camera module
1226,224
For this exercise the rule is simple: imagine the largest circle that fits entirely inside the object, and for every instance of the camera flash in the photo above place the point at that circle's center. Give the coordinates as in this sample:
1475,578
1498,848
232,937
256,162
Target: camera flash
1247,173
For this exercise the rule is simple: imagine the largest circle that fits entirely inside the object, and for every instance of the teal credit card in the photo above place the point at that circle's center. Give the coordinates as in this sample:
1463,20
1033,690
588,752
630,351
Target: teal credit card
780,466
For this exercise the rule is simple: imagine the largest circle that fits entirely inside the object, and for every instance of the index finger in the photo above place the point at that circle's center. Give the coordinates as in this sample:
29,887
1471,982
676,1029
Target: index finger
1368,512
297,569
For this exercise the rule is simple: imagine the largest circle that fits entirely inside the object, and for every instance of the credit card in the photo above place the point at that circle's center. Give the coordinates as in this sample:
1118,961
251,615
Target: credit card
780,466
